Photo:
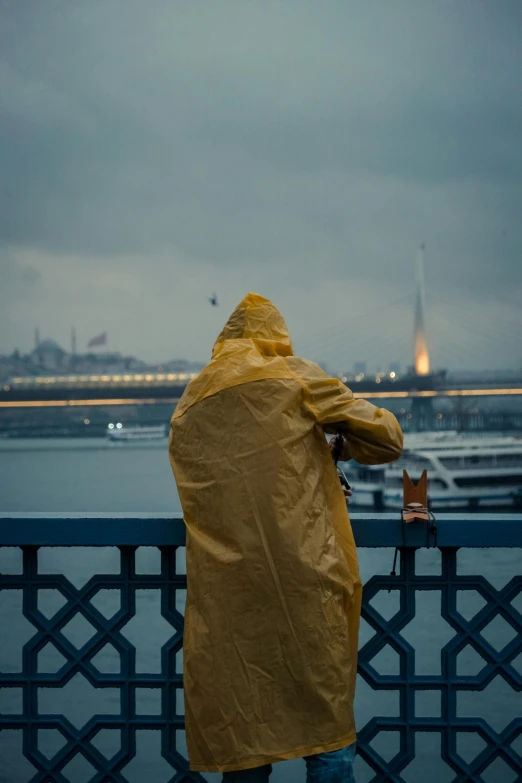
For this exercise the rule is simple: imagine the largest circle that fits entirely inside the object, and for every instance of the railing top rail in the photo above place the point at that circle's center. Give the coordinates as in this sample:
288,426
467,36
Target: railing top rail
137,529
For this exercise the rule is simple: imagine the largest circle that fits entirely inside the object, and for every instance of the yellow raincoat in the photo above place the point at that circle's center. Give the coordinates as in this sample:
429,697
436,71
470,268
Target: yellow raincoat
274,594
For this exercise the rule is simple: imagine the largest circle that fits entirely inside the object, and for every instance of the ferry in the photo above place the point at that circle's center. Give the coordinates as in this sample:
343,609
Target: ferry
116,433
367,484
463,472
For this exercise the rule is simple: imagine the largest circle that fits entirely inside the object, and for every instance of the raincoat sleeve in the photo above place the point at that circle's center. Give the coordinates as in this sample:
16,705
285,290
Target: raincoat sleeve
374,435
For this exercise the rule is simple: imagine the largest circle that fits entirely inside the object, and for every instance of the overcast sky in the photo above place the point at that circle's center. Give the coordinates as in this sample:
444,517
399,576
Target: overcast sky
155,152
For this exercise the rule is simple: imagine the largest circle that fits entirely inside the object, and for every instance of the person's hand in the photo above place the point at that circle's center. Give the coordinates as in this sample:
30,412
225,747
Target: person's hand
347,494
345,451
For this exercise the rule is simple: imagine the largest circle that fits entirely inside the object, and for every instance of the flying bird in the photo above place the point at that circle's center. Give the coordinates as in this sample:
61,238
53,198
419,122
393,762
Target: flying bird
214,300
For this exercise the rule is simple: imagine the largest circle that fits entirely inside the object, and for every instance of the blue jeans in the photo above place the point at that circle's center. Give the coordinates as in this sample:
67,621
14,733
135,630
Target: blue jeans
333,767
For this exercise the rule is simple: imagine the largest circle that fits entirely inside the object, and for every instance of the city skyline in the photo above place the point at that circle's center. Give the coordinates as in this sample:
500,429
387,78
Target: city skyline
354,368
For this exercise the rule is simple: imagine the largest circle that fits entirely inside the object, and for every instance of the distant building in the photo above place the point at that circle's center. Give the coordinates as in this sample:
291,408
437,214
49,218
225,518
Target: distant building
49,355
181,365
48,358
112,362
359,368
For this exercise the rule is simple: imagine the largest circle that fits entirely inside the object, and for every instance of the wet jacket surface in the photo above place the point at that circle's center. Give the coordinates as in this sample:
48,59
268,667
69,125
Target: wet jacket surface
274,594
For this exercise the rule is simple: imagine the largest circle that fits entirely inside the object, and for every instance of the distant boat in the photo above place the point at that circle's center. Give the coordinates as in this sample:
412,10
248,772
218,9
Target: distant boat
121,434
463,472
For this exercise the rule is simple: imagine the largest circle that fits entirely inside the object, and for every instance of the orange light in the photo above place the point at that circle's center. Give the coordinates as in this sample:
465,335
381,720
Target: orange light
380,395
422,359
442,393
358,395
84,403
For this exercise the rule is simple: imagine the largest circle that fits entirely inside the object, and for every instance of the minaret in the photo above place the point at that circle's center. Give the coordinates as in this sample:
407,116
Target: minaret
422,359
73,341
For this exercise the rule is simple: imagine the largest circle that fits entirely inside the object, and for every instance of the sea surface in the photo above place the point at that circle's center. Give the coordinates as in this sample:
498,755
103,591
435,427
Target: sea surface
90,475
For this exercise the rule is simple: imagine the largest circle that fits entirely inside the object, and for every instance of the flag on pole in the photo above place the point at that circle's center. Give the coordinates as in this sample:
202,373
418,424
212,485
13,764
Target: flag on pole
100,339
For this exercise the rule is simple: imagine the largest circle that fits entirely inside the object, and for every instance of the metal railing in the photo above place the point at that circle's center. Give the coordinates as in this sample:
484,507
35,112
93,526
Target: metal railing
130,686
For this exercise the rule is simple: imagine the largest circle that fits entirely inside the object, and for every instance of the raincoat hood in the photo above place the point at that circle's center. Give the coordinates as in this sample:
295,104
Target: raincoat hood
255,319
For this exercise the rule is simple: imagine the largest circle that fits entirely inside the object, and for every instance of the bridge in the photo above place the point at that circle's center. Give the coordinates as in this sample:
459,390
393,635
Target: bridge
153,388
96,685
65,405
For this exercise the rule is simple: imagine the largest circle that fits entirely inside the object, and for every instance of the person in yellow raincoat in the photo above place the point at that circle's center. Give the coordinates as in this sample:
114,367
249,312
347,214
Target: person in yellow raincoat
274,594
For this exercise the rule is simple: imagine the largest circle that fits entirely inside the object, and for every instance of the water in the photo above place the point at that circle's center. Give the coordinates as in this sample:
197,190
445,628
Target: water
88,475
85,475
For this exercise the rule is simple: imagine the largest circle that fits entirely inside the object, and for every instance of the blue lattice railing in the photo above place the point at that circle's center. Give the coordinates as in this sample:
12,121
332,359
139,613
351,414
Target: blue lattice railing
85,686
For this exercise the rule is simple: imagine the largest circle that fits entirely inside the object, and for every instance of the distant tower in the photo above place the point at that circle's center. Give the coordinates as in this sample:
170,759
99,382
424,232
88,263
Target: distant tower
73,341
421,407
422,359
36,339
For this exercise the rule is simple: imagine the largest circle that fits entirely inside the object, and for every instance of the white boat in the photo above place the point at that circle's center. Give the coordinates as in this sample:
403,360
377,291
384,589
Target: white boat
463,472
368,481
120,434
367,484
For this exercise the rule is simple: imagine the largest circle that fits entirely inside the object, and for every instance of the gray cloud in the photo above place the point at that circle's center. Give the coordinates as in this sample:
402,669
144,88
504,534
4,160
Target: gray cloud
297,147
18,278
